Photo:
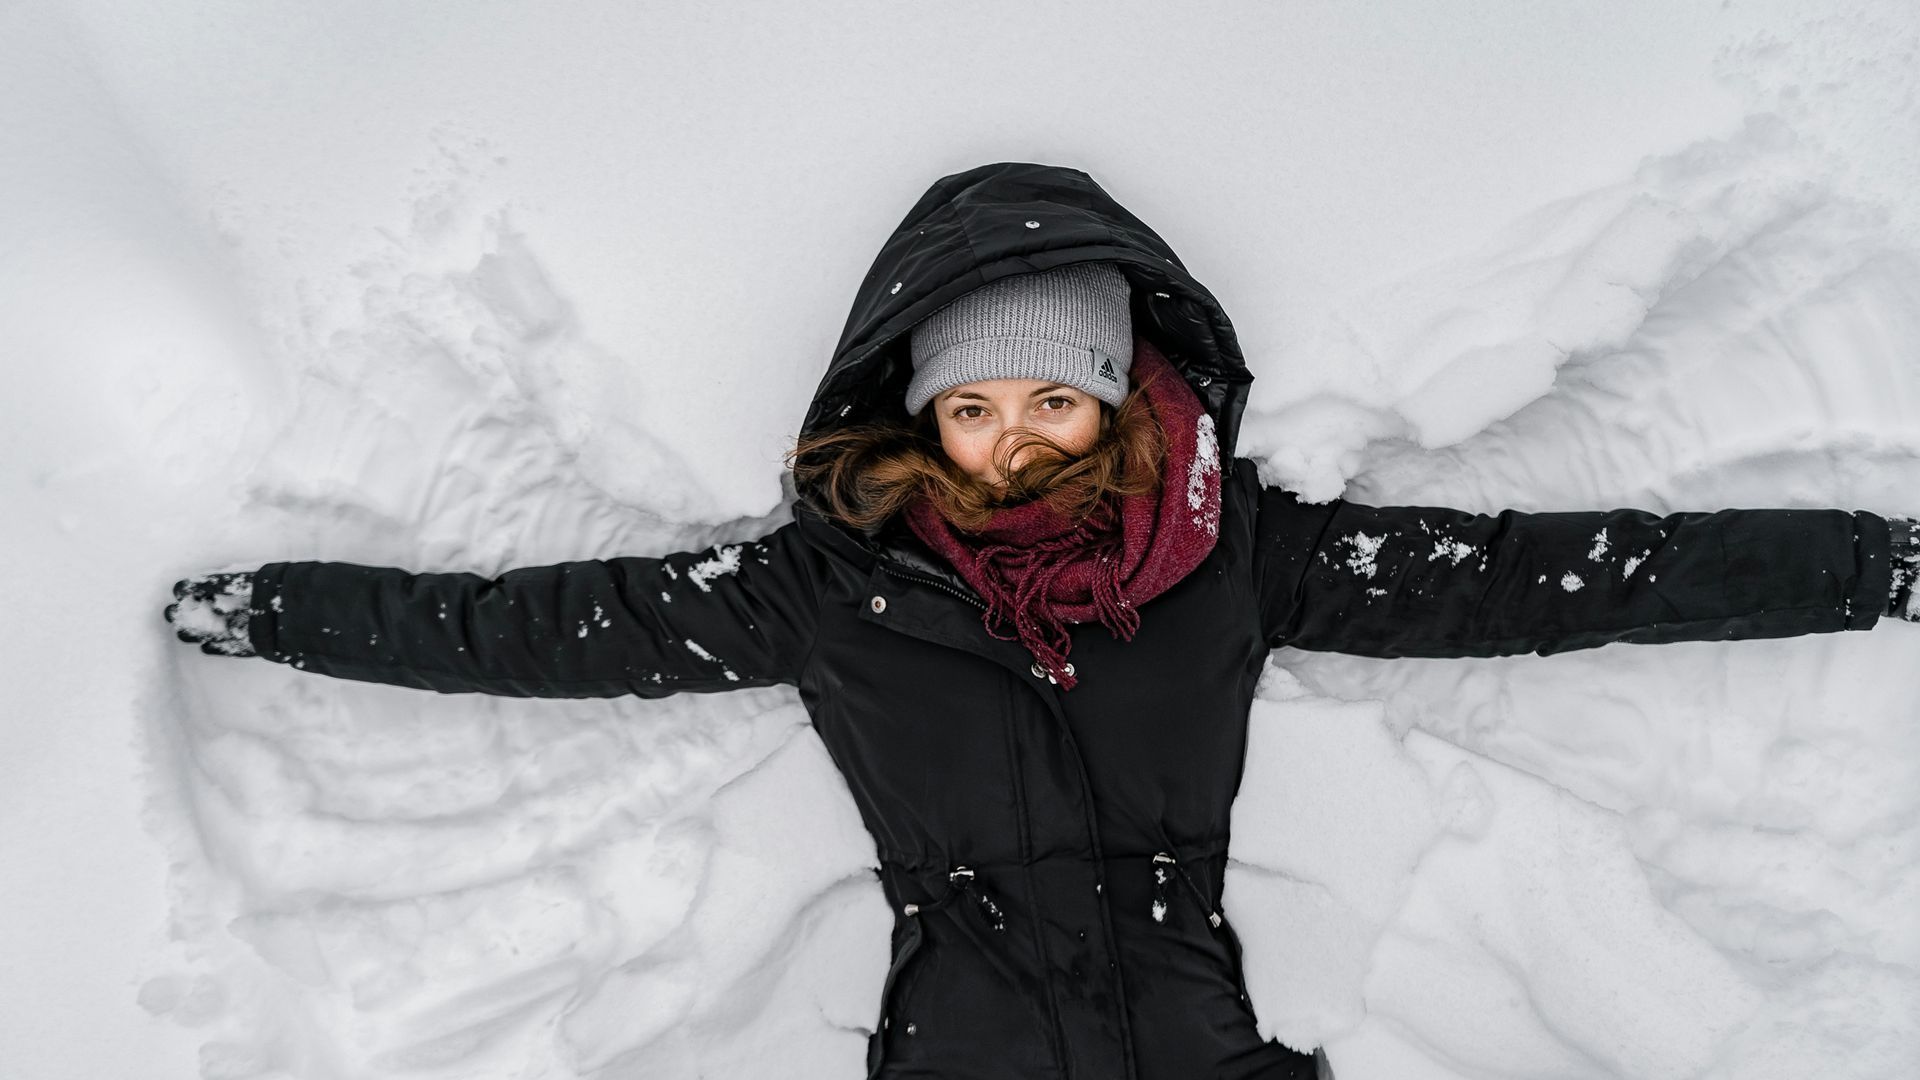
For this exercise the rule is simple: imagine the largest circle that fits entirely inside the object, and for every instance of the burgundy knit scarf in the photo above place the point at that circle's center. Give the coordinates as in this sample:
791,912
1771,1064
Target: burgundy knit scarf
1039,570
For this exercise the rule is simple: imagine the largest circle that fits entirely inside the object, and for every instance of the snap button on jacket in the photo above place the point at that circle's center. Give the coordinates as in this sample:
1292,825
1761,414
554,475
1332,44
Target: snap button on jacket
1056,860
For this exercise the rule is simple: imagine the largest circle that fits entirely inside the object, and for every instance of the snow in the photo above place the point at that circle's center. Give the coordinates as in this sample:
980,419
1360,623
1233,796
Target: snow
400,285
726,560
1206,462
203,617
1454,551
696,649
1361,552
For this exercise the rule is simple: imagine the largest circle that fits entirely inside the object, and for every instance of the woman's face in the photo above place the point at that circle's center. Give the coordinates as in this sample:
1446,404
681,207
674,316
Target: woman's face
975,416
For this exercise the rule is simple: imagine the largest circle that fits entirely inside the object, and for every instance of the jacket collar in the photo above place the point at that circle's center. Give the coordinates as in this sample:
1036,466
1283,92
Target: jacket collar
893,544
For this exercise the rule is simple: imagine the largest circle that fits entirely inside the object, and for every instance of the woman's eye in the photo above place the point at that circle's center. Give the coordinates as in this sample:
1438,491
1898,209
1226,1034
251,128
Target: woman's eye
1065,402
961,412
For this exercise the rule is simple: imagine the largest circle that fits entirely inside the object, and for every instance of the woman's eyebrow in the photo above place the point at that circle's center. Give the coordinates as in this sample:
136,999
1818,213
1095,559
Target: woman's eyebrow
1043,390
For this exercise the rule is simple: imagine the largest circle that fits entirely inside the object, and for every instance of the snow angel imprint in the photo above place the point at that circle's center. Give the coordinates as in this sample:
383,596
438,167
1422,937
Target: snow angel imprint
1025,597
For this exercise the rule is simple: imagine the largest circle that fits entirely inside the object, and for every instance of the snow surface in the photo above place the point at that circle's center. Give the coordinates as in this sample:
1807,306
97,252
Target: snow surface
478,286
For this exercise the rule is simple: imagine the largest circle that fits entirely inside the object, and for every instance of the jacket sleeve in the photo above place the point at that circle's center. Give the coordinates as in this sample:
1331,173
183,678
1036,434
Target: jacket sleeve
1391,581
731,616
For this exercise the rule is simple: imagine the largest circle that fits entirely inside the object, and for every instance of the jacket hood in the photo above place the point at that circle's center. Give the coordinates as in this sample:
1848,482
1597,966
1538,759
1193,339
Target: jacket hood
1016,217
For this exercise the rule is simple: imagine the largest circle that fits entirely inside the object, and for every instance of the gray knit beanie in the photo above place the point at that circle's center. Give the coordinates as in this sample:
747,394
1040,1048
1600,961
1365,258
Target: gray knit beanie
1071,325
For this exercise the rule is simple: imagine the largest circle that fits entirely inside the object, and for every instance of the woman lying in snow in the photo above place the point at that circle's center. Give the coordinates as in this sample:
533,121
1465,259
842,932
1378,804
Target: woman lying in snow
1025,597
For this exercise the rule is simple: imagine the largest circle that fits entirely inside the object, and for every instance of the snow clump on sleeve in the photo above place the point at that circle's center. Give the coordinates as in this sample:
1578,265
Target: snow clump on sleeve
1452,550
694,648
1364,549
725,560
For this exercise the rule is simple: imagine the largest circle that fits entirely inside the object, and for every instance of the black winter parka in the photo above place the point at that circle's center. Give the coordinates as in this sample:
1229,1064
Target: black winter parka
1055,860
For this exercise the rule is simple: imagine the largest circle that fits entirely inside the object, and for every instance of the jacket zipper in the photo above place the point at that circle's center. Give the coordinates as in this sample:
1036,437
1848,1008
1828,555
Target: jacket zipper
987,906
892,568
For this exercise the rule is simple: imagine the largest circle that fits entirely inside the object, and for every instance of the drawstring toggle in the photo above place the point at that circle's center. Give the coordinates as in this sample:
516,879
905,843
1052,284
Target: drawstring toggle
962,878
1162,862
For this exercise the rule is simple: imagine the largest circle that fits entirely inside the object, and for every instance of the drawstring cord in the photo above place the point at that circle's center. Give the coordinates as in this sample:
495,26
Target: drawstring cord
1160,886
1161,862
961,880
987,907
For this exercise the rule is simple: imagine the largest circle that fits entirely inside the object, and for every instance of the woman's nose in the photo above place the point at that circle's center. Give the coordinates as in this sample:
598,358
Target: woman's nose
1023,453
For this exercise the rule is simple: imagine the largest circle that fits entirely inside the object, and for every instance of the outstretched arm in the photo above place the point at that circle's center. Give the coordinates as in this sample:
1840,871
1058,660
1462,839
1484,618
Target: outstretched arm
731,616
1429,581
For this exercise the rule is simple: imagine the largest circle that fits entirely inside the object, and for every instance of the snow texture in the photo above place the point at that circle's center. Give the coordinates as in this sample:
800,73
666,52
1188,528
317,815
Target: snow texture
695,648
726,560
1361,553
400,285
1206,462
